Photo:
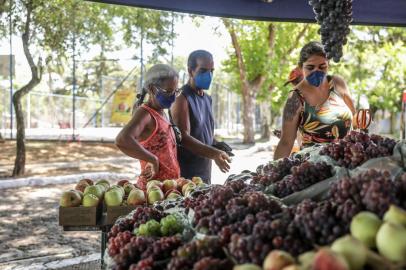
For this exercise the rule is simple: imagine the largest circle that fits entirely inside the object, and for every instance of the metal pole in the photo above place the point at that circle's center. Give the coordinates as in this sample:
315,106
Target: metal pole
11,70
172,33
74,77
142,57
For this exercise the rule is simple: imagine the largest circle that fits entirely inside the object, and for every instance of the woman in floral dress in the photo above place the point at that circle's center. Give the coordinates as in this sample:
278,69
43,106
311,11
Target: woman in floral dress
320,106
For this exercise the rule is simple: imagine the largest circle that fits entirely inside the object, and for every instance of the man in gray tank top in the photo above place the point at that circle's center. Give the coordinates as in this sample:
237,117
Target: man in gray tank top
192,113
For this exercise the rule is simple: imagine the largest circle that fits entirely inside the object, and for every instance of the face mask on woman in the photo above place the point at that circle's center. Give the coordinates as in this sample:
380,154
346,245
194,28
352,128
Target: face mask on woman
165,100
316,78
203,80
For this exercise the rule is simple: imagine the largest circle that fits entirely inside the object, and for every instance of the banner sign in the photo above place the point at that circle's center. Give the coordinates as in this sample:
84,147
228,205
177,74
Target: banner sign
122,104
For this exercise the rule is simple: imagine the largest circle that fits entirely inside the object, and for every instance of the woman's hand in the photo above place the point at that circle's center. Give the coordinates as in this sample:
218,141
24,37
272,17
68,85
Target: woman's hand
151,169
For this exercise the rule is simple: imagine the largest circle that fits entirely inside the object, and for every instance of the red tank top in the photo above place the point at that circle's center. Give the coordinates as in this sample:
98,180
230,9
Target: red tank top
162,144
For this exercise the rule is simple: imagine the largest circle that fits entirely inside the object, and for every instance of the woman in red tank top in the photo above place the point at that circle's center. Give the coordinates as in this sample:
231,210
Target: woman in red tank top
149,136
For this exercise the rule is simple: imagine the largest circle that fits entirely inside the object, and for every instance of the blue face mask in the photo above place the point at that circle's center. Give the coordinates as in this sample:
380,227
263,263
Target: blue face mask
203,80
165,101
316,78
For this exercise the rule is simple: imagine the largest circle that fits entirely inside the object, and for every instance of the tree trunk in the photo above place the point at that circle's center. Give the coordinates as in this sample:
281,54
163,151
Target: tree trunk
265,120
248,102
36,72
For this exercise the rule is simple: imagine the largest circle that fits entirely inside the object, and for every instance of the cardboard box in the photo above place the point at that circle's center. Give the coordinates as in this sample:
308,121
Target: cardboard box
114,212
79,216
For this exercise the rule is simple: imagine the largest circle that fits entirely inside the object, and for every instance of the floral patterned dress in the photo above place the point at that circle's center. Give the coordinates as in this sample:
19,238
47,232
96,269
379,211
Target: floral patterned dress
326,123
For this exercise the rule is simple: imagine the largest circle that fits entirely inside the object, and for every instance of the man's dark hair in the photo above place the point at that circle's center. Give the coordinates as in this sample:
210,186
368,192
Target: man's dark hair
310,49
199,54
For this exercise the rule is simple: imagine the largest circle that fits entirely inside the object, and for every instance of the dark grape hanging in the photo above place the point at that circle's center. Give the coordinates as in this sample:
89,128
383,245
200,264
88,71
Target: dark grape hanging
334,17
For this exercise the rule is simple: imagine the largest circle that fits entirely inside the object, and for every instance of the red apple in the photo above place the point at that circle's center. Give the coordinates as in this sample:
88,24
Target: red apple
122,182
78,192
70,199
136,197
277,260
90,182
81,186
168,185
181,182
172,191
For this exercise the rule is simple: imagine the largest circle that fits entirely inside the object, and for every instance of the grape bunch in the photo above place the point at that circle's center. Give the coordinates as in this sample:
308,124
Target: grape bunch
191,255
317,222
261,234
303,176
131,252
211,215
272,173
334,17
371,190
357,147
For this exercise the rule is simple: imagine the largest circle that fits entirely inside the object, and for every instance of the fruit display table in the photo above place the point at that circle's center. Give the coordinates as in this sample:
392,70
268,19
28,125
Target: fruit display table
102,226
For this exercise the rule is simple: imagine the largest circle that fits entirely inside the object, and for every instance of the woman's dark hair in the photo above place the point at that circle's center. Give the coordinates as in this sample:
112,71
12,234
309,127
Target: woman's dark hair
310,49
199,54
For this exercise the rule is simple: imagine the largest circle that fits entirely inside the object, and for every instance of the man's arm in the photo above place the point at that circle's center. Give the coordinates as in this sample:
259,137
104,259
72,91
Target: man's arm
181,118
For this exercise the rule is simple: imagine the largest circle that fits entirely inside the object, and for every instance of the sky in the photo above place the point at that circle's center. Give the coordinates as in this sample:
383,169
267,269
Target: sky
189,37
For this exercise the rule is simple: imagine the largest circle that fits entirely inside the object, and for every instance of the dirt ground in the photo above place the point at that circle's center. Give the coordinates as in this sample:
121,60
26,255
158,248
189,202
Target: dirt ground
29,226
79,156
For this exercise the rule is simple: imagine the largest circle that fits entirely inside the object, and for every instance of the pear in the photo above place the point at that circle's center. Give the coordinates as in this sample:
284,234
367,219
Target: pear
326,259
364,227
247,266
277,260
395,215
391,242
306,259
353,250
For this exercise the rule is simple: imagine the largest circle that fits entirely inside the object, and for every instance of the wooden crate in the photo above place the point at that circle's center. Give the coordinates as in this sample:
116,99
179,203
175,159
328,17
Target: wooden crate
79,216
114,212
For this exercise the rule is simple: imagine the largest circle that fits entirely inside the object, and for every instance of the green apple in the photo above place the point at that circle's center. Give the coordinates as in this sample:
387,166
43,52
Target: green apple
168,185
136,197
128,187
395,215
154,183
90,200
96,190
247,266
197,180
113,197
155,194
391,242
353,250
188,191
70,199
277,259
188,186
104,182
364,226
119,188
78,192
173,196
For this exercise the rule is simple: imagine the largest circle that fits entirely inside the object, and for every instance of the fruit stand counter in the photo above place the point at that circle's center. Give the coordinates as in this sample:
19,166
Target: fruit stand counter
102,226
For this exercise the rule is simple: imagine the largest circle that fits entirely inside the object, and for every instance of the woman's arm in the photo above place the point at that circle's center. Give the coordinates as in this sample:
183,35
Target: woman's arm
127,140
345,93
180,116
290,122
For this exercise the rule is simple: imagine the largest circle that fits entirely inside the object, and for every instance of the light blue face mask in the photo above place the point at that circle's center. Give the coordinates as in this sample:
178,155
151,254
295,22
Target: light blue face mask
203,80
316,78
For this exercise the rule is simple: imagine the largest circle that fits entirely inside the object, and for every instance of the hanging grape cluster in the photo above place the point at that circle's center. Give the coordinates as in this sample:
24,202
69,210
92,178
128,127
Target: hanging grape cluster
334,17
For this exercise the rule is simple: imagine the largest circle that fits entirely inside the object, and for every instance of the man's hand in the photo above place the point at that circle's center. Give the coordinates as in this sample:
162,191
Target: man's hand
222,160
151,169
